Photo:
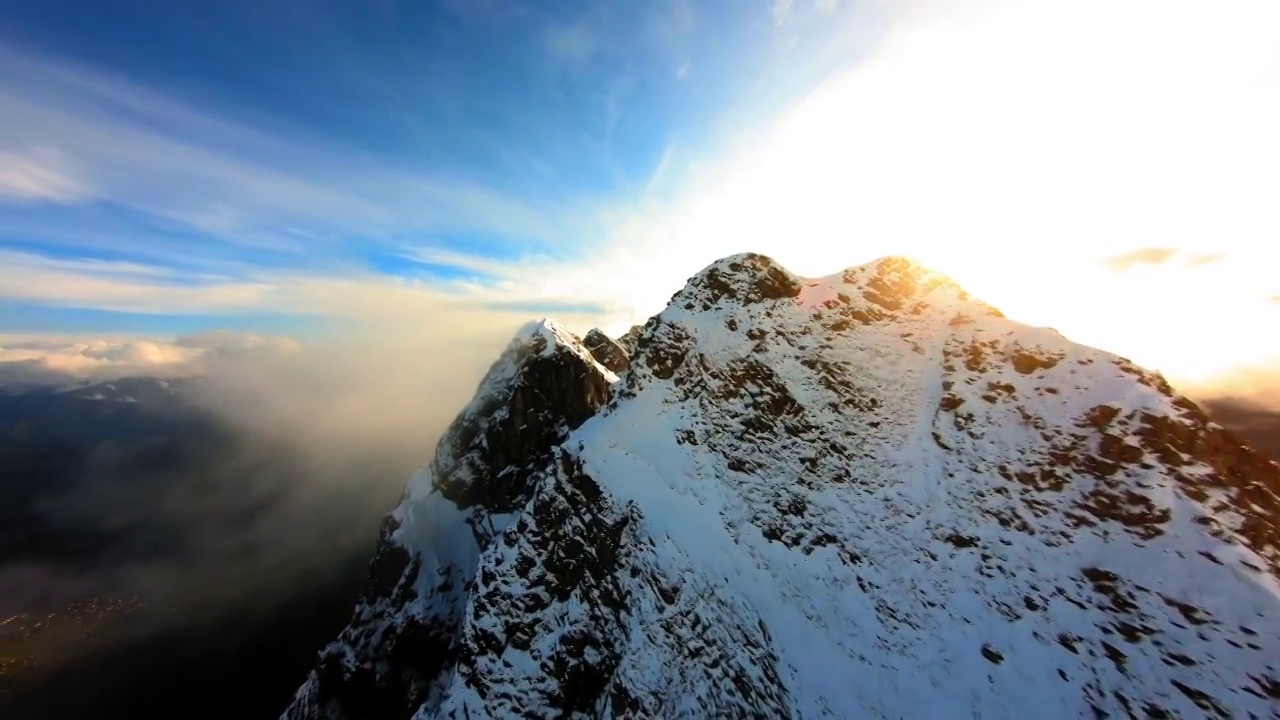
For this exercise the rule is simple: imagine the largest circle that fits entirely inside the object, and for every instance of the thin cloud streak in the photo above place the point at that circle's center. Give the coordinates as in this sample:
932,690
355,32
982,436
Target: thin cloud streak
1155,256
87,266
1142,256
41,173
508,293
1205,259
176,164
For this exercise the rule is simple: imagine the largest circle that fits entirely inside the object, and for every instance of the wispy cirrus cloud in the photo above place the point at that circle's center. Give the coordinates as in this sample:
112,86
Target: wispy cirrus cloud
1155,256
123,286
240,185
1141,256
469,263
41,174
31,262
1204,259
488,292
175,170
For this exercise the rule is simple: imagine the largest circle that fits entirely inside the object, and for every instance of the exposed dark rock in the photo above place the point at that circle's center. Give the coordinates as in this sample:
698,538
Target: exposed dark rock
549,395
745,279
389,565
962,541
1027,363
606,351
664,349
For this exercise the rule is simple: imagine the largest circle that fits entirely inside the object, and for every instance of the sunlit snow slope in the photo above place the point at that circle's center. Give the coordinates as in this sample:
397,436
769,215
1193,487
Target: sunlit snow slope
865,495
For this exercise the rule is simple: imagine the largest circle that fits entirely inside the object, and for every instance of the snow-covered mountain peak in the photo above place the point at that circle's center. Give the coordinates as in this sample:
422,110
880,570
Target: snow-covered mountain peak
742,279
545,335
864,495
545,383
888,286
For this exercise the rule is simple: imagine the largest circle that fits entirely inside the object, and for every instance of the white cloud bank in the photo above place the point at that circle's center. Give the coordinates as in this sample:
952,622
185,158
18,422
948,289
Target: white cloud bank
70,360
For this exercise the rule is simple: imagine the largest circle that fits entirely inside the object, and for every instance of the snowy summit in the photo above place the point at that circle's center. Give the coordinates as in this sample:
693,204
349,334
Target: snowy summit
864,495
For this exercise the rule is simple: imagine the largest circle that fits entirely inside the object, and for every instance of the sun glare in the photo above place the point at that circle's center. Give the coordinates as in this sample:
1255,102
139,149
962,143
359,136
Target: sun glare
1016,147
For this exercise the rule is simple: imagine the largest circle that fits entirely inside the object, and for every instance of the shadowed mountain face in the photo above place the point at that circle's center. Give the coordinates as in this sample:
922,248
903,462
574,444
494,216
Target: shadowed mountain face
866,495
1255,424
151,552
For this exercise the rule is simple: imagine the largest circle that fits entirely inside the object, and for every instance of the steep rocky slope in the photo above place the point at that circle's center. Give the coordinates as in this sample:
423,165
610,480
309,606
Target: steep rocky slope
865,495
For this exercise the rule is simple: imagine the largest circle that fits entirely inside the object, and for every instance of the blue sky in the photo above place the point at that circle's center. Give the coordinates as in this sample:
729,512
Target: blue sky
306,167
194,145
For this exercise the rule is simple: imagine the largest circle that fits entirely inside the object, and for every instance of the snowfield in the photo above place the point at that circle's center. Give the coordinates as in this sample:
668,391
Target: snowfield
864,495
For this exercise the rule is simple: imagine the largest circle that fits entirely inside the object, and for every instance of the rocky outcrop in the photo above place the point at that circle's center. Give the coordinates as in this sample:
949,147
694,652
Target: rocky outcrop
861,495
607,351
406,632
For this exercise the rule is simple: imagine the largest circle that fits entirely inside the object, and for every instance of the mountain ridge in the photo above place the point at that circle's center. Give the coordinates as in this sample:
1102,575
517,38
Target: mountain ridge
851,495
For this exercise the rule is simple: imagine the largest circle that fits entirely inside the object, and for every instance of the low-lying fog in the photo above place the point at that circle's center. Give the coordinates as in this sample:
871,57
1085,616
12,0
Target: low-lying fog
240,508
